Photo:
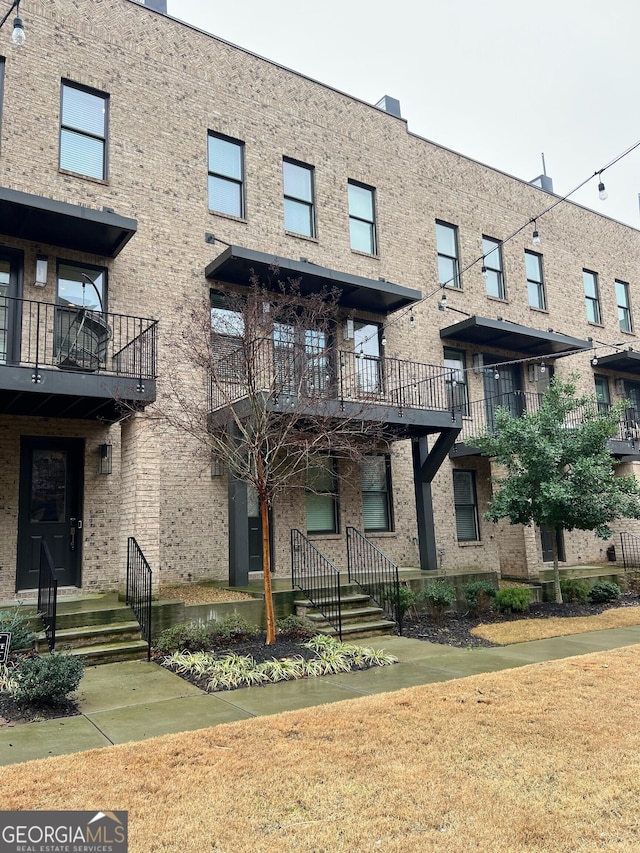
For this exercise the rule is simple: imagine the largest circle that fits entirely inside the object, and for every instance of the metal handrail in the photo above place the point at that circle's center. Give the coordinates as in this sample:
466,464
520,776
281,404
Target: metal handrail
70,337
317,373
47,594
139,586
317,578
630,551
479,416
374,573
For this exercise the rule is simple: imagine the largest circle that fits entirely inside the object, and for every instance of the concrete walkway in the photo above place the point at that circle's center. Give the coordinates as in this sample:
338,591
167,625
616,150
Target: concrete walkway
122,702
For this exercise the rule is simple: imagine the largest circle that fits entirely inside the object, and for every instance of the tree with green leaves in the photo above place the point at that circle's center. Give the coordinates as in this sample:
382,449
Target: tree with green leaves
555,467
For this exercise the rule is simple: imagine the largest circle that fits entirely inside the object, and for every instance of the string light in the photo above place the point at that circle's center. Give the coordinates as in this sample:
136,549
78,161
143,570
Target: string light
603,195
484,270
543,367
535,237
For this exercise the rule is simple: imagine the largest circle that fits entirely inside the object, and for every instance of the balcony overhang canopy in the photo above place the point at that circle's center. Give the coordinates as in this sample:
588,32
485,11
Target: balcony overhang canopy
58,223
237,265
502,334
627,361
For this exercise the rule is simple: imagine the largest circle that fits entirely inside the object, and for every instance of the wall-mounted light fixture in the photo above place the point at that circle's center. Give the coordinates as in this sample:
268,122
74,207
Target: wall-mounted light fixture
17,35
105,459
217,465
42,264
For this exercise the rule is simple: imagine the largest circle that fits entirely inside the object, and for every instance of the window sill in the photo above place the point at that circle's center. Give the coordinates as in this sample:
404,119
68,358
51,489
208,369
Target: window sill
382,534
476,543
228,216
597,325
631,334
538,310
301,236
362,254
502,299
102,181
325,536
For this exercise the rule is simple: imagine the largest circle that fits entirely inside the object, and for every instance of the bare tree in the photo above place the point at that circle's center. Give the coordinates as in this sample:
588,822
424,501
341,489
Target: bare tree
278,391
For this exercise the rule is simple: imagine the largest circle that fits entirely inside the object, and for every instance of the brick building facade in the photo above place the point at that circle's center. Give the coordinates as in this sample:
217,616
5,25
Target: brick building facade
127,138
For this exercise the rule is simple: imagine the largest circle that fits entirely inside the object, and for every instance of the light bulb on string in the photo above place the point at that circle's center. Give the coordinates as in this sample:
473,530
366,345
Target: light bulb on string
603,195
484,271
412,319
543,367
535,237
443,302
383,340
496,376
17,36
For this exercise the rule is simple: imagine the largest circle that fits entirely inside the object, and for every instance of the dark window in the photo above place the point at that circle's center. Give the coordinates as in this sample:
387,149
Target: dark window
494,275
227,327
448,257
322,495
362,218
591,296
466,504
602,392
376,493
82,285
226,175
535,281
456,380
624,306
83,131
299,215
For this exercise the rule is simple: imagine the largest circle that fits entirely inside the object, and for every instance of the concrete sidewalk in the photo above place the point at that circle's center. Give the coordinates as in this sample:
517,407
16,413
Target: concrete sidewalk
122,702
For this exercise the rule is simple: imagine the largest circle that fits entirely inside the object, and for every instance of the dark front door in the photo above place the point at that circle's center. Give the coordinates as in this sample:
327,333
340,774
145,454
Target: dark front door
546,540
50,508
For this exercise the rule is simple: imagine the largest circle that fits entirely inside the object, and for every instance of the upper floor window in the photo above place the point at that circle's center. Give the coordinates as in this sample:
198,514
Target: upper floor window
448,257
81,331
602,392
2,60
362,218
226,175
299,213
375,478
624,306
591,296
83,131
82,285
456,380
322,495
466,506
492,262
535,281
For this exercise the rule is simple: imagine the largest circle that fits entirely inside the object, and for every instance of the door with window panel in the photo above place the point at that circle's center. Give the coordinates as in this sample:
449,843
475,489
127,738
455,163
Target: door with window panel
502,390
368,363
10,272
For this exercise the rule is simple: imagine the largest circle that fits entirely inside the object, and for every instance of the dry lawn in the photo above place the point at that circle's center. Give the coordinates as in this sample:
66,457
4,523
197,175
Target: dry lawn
523,630
201,594
543,759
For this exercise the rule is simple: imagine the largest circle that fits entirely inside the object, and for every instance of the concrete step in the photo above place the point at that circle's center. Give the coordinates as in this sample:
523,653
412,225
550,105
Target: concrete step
360,631
91,635
110,652
361,614
304,605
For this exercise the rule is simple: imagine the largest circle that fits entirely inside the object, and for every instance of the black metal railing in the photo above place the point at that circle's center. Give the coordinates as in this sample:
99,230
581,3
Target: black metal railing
317,578
374,573
138,594
310,372
479,417
47,594
70,337
630,551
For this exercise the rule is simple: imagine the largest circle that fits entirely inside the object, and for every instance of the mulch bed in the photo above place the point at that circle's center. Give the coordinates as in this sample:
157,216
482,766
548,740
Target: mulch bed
455,629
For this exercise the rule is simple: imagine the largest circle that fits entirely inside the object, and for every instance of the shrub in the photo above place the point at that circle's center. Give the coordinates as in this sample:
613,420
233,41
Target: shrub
295,628
189,636
47,680
575,590
232,628
17,624
514,599
405,601
438,596
603,591
478,595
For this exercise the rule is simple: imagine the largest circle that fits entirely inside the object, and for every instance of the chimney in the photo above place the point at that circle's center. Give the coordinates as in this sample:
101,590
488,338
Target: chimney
389,105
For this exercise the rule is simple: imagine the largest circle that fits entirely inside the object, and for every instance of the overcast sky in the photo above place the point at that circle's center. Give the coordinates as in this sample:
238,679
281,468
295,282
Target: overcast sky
500,80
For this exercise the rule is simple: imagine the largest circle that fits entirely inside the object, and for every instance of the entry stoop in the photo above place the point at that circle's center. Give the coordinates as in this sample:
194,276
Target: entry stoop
98,629
361,616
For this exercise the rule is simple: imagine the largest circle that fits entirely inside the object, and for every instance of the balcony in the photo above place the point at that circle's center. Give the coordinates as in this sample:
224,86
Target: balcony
410,399
479,417
70,362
